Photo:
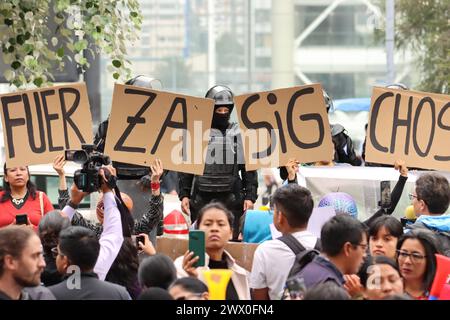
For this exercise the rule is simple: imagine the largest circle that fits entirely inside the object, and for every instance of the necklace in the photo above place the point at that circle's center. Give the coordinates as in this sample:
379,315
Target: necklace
17,201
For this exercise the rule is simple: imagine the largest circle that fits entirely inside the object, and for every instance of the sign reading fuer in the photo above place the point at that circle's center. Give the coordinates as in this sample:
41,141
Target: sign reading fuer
285,123
409,125
147,124
39,124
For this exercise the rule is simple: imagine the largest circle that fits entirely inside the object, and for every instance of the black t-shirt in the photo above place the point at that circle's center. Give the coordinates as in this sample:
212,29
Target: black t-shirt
231,293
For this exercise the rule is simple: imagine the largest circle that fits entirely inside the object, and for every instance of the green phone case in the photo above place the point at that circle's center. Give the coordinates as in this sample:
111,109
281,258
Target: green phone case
197,245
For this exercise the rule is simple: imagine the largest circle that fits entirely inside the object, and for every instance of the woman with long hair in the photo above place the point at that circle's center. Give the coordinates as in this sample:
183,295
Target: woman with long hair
20,197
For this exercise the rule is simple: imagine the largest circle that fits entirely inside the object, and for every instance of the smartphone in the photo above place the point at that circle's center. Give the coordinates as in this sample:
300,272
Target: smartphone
139,239
22,218
385,189
197,245
296,287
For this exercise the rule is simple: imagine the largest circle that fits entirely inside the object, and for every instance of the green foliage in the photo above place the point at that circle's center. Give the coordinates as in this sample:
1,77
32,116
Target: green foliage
109,25
423,27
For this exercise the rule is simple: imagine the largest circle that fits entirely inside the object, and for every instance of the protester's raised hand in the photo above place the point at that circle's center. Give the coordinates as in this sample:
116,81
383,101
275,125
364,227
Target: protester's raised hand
292,168
58,165
147,247
76,195
185,206
188,264
248,205
157,170
107,172
400,165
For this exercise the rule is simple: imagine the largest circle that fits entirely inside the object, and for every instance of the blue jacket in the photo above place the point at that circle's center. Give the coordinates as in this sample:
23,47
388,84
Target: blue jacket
440,225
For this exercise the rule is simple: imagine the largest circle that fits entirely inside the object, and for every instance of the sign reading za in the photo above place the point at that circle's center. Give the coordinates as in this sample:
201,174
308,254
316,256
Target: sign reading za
39,124
147,124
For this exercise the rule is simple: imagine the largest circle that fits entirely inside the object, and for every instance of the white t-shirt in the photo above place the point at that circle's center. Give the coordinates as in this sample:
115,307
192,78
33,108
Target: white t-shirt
272,262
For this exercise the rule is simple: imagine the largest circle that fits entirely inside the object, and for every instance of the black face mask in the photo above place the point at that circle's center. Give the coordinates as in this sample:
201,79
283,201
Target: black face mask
220,121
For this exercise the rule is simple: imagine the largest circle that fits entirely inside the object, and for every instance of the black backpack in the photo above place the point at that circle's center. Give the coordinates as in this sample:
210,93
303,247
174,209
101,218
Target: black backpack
302,255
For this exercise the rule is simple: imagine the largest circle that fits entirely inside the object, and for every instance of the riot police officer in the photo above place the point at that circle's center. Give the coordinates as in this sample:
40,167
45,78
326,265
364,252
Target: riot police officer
221,180
129,175
344,151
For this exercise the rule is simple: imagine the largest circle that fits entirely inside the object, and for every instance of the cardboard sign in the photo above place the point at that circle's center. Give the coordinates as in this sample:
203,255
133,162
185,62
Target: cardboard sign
176,247
147,124
40,124
285,123
409,125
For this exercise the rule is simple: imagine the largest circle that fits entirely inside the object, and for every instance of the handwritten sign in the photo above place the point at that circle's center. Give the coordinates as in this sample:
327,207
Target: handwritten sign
39,124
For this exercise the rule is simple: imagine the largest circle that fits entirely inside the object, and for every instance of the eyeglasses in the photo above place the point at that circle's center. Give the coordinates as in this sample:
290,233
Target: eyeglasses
412,196
56,252
362,245
414,256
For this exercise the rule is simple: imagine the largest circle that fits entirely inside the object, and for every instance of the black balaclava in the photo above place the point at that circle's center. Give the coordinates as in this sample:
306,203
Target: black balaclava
220,121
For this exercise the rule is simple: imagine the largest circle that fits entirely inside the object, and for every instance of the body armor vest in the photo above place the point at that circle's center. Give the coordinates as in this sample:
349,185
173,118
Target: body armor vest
221,167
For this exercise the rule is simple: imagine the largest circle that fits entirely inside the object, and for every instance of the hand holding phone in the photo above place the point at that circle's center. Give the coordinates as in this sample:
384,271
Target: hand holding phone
140,239
197,246
22,219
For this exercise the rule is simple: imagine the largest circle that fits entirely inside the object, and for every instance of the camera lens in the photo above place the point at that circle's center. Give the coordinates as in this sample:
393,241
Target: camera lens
80,157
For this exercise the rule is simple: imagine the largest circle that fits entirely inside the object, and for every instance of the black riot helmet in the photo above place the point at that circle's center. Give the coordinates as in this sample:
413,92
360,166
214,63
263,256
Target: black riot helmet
145,82
222,96
397,85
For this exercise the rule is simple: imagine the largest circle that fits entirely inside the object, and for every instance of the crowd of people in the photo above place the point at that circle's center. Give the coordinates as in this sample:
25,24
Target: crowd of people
59,254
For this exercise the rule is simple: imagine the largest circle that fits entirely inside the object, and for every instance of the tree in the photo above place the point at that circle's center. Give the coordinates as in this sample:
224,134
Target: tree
30,48
423,26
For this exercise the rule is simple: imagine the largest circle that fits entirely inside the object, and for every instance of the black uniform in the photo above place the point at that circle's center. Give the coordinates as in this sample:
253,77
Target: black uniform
129,176
221,180
344,151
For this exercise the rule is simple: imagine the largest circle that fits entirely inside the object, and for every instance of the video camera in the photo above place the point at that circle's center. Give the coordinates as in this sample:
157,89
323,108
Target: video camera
88,178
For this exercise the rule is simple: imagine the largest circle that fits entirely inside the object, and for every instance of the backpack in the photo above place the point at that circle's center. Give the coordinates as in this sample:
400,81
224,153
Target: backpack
302,255
444,240
442,237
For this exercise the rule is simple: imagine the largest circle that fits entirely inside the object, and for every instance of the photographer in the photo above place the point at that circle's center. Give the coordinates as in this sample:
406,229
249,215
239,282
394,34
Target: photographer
111,238
144,225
